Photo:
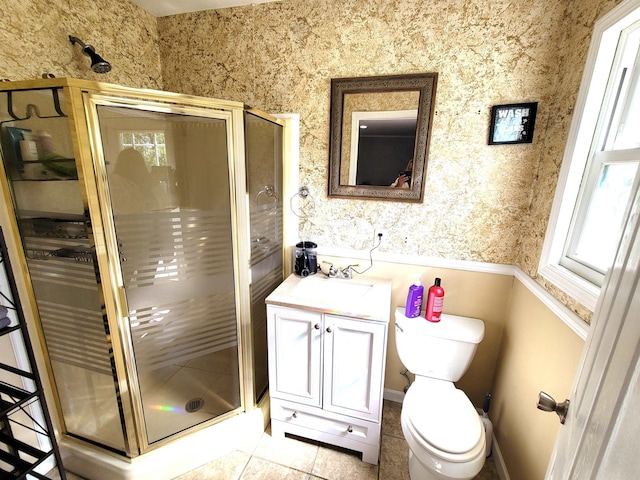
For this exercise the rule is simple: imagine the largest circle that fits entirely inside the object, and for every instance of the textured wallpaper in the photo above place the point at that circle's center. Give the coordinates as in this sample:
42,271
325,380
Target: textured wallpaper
34,39
281,56
483,203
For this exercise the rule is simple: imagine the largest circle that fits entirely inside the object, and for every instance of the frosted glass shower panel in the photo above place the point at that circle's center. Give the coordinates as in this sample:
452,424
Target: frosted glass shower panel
263,144
173,223
60,257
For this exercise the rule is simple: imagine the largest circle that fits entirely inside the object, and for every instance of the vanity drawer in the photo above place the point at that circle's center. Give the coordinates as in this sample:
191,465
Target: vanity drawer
322,421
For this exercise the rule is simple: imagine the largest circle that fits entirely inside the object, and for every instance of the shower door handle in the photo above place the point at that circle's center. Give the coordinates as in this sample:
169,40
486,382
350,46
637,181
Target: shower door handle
268,191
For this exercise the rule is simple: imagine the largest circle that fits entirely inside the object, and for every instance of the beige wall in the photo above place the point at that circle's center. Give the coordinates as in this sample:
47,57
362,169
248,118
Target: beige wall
470,294
526,349
34,39
537,353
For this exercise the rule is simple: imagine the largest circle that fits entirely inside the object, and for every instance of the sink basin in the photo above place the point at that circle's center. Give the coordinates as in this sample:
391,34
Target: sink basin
360,297
315,287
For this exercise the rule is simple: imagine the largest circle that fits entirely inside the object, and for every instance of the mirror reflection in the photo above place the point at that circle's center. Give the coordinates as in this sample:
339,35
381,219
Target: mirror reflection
379,132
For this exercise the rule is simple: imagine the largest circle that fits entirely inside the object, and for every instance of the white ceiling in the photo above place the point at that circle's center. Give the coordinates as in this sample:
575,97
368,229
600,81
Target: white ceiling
162,8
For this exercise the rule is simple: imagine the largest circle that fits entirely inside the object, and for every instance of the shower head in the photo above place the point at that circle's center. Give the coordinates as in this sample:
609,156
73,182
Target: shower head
98,64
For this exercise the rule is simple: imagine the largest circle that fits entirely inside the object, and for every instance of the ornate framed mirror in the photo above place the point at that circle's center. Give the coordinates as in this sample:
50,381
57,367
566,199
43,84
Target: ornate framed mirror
379,136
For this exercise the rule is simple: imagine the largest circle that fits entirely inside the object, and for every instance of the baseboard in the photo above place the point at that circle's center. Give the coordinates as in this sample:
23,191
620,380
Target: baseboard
393,395
499,461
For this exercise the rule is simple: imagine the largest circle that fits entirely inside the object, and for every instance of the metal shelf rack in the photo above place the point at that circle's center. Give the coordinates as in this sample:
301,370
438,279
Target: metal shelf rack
27,440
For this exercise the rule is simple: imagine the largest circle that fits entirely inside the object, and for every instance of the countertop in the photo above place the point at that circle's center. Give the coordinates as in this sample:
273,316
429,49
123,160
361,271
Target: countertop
361,297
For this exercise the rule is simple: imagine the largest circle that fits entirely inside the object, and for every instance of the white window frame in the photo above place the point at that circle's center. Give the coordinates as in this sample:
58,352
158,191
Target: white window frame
581,134
155,144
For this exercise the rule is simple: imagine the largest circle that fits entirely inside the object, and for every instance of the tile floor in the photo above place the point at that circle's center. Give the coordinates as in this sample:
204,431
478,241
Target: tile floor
300,459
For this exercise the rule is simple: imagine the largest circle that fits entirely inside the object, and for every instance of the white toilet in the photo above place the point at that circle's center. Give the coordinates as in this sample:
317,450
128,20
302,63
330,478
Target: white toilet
443,429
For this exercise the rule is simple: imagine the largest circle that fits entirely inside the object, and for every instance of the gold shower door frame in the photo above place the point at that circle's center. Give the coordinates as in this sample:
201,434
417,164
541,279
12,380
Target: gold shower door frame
107,247
79,102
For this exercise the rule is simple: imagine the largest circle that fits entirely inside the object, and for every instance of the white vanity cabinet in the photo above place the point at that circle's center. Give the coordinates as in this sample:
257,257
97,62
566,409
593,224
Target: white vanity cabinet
294,338
326,372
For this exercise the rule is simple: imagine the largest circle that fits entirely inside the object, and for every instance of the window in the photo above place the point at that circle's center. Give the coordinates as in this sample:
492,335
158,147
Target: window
600,170
151,144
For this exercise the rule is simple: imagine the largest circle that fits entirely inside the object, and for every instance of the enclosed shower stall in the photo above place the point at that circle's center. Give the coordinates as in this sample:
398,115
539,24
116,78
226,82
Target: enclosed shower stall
151,232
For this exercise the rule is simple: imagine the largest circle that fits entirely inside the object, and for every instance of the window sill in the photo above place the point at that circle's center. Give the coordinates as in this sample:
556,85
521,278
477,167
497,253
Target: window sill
577,287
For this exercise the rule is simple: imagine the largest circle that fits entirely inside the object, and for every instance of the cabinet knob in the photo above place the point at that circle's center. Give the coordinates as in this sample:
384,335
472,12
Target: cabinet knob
329,330
317,326
294,414
350,429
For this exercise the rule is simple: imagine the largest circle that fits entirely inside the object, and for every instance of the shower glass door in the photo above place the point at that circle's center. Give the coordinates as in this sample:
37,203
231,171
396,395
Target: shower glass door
168,184
263,150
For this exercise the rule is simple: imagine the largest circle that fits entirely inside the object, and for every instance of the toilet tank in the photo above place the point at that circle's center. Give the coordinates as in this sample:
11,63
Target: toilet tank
441,350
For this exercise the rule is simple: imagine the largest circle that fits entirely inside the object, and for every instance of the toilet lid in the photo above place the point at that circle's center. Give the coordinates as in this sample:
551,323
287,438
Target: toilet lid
447,420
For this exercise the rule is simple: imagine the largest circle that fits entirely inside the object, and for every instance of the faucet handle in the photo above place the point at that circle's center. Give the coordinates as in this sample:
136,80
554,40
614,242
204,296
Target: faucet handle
347,271
333,271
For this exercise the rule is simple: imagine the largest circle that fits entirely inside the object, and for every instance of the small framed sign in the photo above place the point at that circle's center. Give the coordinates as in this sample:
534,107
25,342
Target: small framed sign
512,123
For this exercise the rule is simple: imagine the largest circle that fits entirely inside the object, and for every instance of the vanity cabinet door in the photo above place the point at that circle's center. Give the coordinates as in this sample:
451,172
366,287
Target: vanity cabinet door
354,366
295,368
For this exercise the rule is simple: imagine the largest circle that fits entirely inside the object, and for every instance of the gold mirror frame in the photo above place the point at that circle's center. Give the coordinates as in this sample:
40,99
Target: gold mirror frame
425,85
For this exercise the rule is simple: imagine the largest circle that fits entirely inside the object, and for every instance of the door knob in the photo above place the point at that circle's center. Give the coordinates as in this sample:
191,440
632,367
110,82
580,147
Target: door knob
546,403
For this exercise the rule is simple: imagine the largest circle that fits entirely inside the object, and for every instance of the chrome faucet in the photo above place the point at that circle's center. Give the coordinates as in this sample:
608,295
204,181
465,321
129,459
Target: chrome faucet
345,273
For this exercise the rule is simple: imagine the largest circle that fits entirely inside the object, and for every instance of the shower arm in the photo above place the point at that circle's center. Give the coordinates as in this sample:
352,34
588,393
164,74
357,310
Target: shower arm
98,64
85,47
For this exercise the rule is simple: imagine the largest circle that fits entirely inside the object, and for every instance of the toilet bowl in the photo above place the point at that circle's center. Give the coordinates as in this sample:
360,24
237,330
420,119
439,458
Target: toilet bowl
444,432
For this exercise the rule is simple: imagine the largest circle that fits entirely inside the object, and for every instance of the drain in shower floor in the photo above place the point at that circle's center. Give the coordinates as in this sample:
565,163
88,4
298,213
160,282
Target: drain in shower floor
194,405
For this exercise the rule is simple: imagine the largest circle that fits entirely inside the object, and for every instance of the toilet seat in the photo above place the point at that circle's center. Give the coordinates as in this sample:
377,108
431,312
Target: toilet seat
443,420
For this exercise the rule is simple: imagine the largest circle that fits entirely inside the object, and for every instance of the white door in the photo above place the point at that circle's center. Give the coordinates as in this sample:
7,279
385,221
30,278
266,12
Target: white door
354,366
600,437
295,369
